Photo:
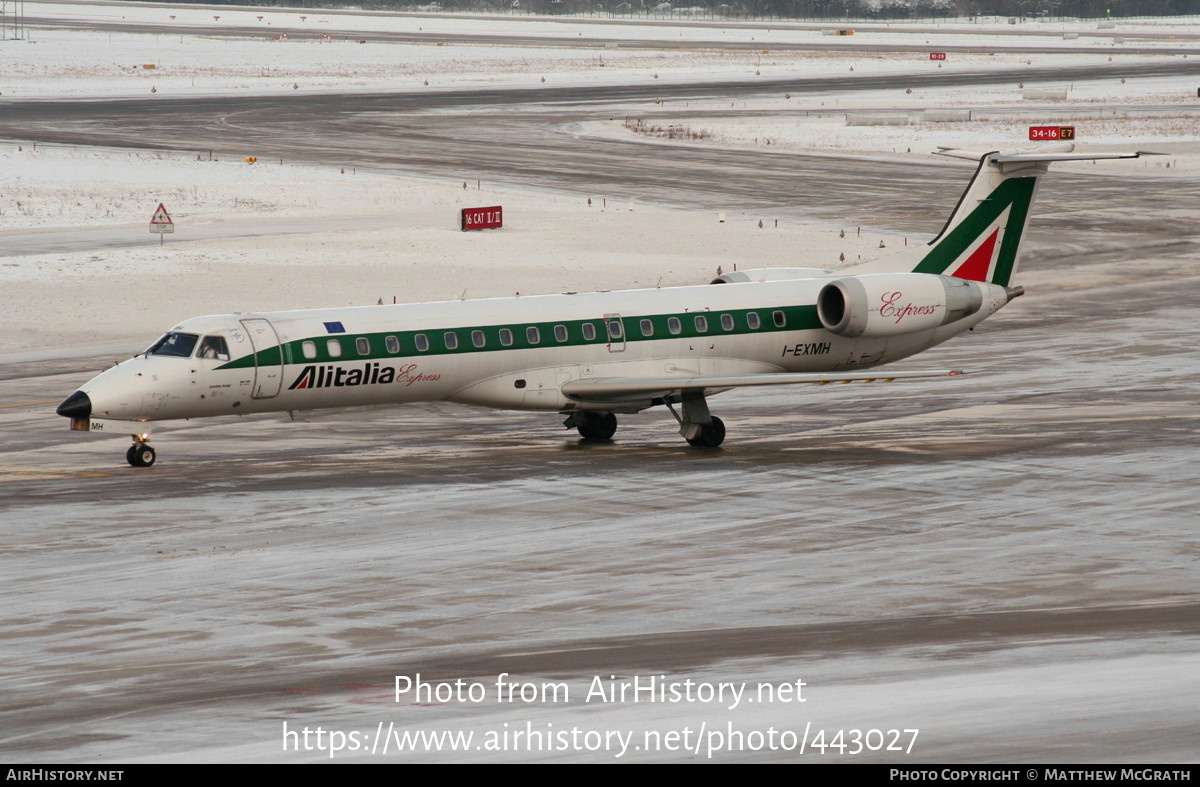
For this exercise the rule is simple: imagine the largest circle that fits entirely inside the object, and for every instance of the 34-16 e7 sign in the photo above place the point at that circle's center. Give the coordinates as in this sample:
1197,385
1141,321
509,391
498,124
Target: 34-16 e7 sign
1043,133
481,218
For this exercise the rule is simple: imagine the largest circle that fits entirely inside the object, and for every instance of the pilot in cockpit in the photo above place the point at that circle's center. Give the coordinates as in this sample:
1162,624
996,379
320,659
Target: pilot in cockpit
213,347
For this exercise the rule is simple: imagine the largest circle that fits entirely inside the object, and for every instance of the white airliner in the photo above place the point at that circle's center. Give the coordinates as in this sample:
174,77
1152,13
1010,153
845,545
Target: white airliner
591,356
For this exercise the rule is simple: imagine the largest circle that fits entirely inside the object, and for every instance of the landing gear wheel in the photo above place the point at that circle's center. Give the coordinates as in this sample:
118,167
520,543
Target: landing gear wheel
140,455
598,426
710,436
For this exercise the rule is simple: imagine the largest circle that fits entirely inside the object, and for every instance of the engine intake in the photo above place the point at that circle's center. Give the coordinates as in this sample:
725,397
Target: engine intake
894,304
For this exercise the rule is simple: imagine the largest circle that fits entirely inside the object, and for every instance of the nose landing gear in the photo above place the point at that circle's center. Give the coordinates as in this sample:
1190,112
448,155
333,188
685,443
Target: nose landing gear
140,454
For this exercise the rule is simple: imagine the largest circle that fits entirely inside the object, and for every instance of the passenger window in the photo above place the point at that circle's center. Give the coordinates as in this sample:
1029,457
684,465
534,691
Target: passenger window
701,323
506,337
533,335
560,333
364,345
450,338
727,322
647,328
334,348
614,330
674,325
753,321
422,342
780,319
213,347
392,344
589,332
477,338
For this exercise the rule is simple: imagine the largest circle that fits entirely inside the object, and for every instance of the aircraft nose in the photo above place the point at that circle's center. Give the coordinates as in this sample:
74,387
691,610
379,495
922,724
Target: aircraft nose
77,405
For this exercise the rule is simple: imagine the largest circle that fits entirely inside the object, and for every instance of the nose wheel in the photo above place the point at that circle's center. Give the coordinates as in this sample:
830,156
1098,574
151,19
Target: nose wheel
140,454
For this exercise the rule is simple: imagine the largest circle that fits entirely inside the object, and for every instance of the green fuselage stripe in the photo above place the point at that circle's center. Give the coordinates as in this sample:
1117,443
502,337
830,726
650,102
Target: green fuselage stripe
795,318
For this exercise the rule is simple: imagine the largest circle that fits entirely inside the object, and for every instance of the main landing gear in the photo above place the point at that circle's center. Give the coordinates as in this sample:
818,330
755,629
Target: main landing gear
140,454
592,425
709,435
697,425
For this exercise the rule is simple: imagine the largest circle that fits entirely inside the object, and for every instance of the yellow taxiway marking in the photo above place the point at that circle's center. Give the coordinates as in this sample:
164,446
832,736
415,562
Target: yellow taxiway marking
29,404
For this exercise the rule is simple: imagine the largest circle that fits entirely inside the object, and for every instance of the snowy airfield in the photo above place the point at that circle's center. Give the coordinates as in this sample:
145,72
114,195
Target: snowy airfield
406,226
272,573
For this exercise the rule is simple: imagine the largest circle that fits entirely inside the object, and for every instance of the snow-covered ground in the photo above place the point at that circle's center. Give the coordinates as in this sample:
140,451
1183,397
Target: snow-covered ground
1156,114
328,50
324,237
346,21
274,236
58,63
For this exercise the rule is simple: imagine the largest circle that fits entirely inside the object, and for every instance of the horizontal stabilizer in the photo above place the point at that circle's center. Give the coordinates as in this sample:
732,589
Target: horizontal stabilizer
620,389
1047,154
976,155
1050,157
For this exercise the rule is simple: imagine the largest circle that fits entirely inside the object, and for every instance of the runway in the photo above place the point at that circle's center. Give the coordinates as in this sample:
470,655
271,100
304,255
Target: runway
1004,561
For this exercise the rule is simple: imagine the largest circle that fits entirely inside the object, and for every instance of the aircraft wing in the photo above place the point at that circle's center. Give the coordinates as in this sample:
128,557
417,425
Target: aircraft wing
623,389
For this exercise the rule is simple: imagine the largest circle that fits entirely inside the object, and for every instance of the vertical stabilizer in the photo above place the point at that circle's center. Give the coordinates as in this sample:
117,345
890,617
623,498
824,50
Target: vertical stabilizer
982,239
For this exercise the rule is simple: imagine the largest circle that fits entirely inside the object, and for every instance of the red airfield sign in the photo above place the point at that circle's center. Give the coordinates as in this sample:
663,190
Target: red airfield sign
1039,133
481,218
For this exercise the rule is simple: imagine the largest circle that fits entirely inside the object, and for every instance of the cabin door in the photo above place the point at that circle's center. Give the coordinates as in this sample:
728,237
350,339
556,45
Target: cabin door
268,358
616,333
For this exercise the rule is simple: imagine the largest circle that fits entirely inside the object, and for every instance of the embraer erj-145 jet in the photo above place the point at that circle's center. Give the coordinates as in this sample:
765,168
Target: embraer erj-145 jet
592,356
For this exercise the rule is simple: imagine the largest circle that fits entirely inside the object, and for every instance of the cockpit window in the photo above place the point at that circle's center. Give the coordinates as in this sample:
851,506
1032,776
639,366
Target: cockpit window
213,347
177,344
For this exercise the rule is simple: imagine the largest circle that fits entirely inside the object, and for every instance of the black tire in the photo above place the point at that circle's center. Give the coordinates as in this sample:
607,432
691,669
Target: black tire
710,436
598,426
140,455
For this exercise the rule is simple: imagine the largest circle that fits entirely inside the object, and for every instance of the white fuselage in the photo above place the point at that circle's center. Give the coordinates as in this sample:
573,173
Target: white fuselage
510,353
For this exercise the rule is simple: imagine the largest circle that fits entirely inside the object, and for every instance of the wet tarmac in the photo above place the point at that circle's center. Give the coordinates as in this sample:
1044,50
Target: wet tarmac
898,547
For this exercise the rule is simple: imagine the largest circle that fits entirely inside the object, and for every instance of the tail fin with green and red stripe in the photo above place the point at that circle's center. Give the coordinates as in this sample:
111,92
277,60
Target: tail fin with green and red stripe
982,239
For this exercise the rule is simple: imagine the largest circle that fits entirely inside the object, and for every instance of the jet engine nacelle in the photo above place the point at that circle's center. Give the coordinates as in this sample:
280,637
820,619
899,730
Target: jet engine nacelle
893,304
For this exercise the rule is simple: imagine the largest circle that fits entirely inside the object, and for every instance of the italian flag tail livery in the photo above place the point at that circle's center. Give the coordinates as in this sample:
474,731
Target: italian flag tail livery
982,239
